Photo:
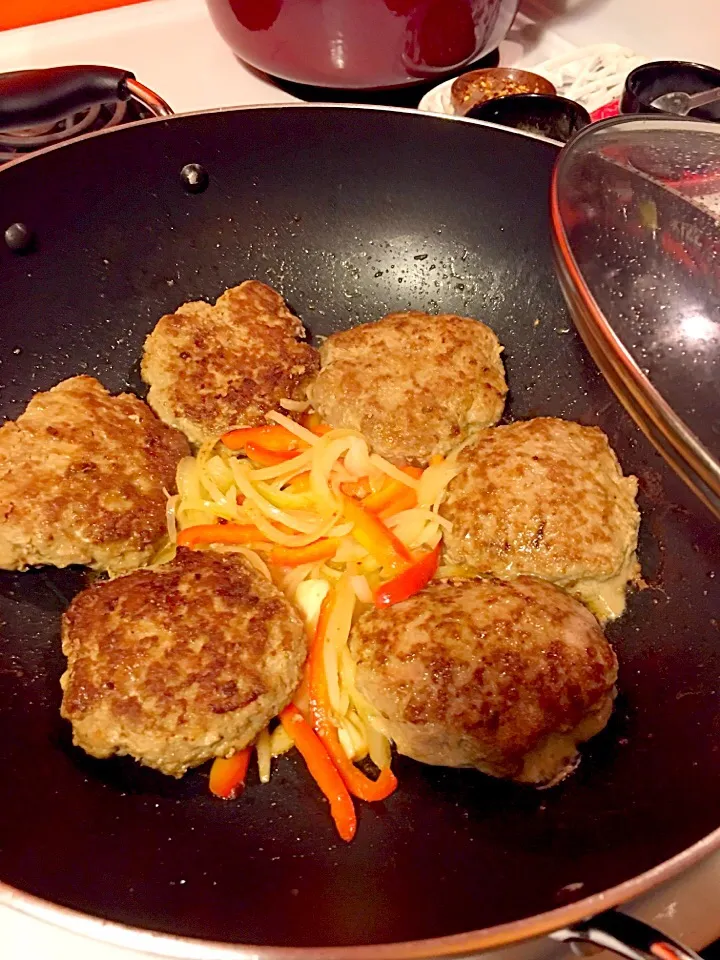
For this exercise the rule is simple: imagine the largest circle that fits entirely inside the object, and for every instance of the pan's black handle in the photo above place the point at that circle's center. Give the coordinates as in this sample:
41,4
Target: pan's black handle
29,97
626,936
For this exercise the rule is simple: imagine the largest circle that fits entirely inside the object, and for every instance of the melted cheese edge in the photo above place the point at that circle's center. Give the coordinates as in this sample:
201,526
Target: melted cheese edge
606,598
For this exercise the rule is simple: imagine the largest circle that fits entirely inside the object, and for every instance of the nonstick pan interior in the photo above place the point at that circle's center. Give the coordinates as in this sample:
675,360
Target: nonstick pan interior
350,213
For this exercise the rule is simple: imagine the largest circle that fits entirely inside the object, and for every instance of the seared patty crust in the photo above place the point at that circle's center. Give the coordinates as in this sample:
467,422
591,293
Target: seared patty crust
507,677
83,477
180,663
211,368
412,383
546,498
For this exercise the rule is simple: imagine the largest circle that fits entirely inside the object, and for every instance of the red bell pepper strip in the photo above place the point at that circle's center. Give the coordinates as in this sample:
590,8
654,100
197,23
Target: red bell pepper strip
355,780
371,533
410,581
205,533
227,776
275,438
322,770
266,457
313,553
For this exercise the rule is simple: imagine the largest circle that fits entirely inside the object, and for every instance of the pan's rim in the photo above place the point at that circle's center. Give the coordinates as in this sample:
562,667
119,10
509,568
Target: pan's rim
299,105
461,944
190,948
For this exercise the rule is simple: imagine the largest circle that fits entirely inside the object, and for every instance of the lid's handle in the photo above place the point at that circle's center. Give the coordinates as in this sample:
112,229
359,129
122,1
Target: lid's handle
29,97
626,936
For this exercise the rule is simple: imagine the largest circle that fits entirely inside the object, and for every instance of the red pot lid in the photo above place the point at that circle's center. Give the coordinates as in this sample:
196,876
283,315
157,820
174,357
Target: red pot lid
636,232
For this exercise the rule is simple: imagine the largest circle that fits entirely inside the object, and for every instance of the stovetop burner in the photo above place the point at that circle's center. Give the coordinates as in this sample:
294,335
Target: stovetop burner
17,143
394,97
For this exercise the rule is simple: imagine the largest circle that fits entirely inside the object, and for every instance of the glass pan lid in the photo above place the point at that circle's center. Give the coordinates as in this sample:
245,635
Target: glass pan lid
636,233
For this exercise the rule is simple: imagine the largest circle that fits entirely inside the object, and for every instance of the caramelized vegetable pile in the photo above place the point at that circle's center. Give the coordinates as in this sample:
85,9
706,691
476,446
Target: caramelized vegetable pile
338,529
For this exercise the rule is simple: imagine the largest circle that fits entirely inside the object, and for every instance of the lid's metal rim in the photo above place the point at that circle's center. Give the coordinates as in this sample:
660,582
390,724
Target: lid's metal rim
190,948
682,449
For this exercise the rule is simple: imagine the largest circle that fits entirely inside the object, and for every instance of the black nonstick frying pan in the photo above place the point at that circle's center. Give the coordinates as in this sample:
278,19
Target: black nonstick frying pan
350,213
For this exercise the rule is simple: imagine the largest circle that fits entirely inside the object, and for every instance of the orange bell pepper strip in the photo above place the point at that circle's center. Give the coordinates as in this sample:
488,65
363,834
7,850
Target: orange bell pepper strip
299,484
354,779
393,498
274,437
266,457
313,423
227,776
405,500
414,472
313,553
371,533
219,533
322,770
382,497
391,491
410,581
356,488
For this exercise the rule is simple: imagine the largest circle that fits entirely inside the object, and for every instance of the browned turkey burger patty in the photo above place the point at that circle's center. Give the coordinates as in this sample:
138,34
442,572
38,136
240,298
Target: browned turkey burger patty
83,476
546,498
412,383
507,677
211,368
181,663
